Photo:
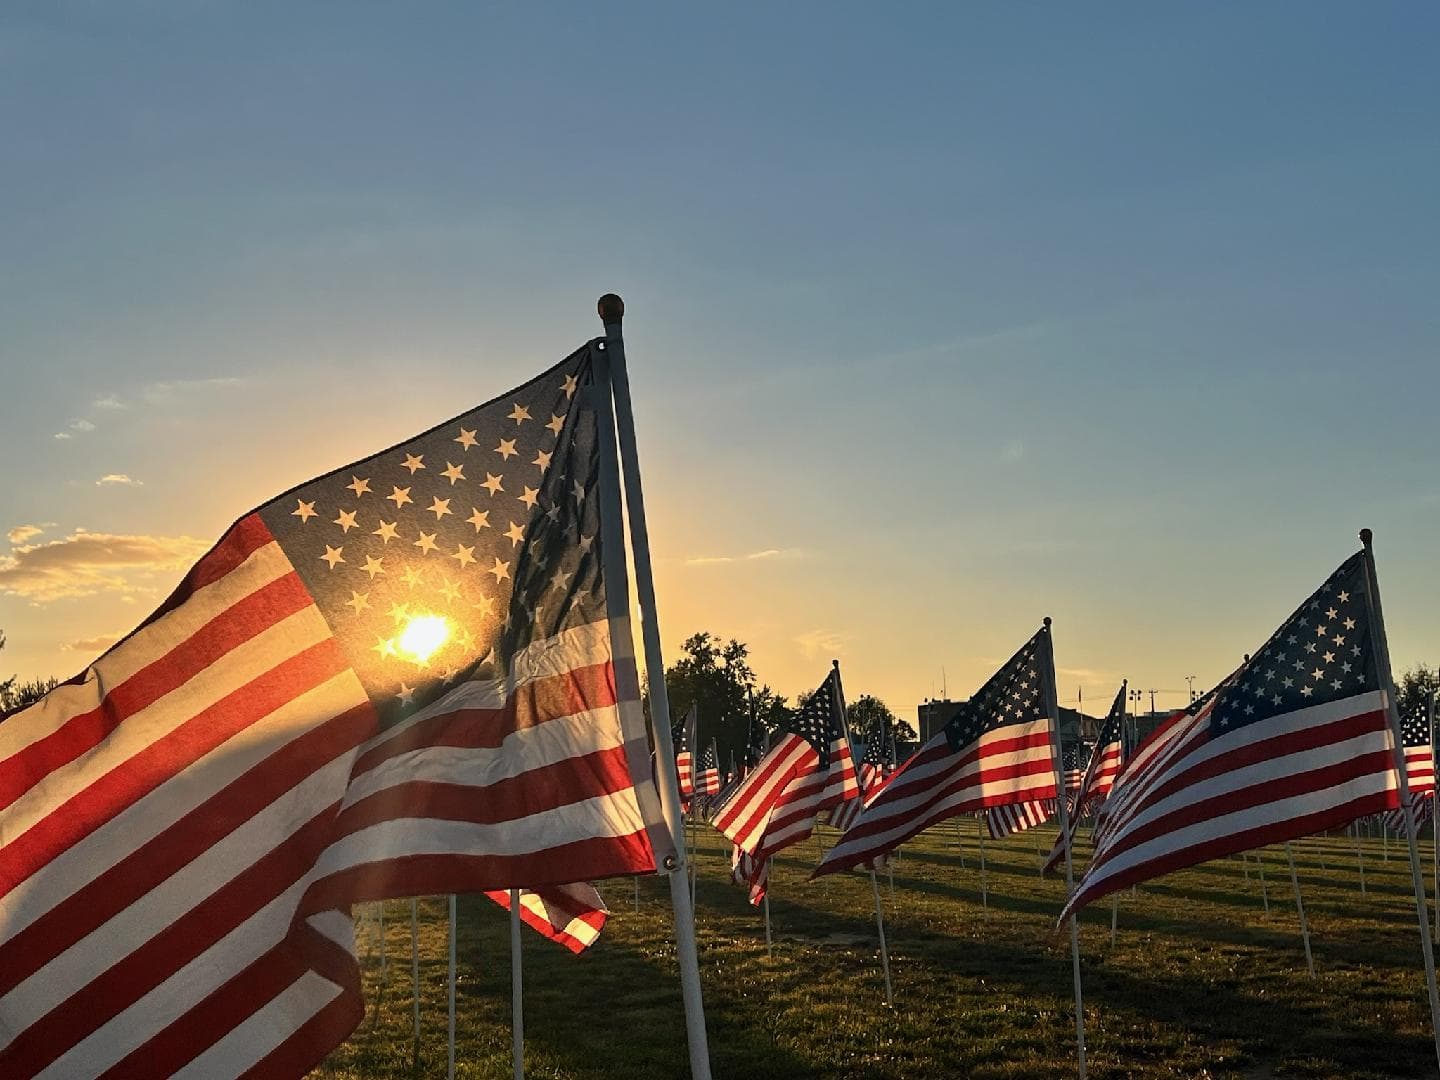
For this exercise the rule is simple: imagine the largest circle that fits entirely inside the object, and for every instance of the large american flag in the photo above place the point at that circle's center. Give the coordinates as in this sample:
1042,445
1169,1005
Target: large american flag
1295,742
808,769
403,677
995,751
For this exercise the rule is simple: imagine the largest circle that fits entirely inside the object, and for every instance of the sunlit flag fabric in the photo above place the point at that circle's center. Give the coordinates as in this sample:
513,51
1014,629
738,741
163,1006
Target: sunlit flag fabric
744,870
995,751
1419,770
1100,773
1297,741
400,678
808,769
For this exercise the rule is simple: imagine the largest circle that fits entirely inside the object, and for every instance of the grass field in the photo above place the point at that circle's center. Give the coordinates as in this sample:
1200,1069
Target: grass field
1200,982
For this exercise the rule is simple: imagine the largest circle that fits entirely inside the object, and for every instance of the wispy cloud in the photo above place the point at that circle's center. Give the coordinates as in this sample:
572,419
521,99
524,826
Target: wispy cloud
118,480
160,393
86,563
20,533
1013,450
92,645
109,401
821,642
754,556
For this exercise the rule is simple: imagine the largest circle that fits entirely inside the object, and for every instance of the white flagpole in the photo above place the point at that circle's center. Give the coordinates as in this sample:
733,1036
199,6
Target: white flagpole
1434,820
765,903
1300,907
517,998
415,969
984,874
450,995
1387,685
1360,857
636,879
1052,708
383,971
884,952
1114,914
612,312
1264,889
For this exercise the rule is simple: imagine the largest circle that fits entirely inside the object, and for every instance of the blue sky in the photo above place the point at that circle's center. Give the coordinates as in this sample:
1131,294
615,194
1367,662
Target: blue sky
940,321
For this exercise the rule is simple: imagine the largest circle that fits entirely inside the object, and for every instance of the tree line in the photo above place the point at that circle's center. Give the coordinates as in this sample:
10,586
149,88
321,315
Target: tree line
715,676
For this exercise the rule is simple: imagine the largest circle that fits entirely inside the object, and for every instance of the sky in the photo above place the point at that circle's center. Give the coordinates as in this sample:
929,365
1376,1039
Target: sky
938,322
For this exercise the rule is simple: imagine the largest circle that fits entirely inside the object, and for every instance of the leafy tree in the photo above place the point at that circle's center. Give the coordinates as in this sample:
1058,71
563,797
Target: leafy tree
869,717
1412,695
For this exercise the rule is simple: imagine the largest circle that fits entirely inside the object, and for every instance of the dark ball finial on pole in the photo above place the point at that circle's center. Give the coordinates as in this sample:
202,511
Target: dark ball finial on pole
611,308
1047,622
1366,536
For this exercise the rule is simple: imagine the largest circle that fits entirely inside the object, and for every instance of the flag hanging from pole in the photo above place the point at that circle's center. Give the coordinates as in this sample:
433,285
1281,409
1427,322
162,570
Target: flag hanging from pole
707,781
1104,766
405,677
683,736
995,751
1294,742
807,770
878,752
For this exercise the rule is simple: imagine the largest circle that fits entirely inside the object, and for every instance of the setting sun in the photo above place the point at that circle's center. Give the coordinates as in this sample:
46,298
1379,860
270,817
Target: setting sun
423,636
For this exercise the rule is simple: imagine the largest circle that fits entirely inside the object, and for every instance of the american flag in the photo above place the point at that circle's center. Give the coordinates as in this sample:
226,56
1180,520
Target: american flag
1017,817
681,735
873,764
755,876
1074,756
1295,742
1419,753
404,677
708,781
571,915
1394,820
809,769
1100,773
996,751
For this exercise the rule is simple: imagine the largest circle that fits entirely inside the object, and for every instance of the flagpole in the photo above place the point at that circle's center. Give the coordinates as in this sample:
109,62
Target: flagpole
1360,857
884,952
1264,889
765,902
612,311
1381,649
415,969
517,998
1300,907
1052,709
1434,820
984,879
383,971
450,995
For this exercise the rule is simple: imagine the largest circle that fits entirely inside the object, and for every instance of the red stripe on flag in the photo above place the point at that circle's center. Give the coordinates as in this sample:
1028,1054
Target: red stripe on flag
150,767
237,624
91,906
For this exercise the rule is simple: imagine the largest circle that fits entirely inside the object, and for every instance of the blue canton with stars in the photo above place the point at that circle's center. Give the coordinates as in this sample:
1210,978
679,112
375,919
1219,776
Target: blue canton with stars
482,532
818,721
1321,654
1014,695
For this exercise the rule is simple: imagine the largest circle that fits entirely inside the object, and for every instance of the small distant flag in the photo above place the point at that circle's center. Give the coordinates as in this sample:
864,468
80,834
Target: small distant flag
996,751
683,735
707,783
1100,773
755,876
873,764
1295,742
808,770
1010,818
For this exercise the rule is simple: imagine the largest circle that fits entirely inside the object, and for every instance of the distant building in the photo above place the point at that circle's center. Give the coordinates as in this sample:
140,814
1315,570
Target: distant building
935,714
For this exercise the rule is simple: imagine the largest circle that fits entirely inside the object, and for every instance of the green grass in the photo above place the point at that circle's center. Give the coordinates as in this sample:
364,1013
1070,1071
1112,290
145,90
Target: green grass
1199,983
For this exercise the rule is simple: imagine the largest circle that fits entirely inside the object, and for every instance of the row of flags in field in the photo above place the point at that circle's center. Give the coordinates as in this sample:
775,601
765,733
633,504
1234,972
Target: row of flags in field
415,675
1294,742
